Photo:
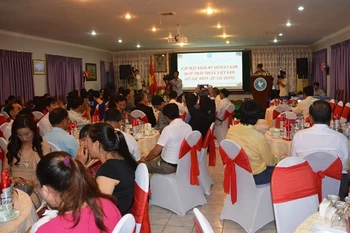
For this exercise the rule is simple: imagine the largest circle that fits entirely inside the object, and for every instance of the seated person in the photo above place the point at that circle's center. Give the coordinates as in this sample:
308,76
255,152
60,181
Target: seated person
113,117
317,90
159,103
100,105
116,175
320,138
140,101
303,106
119,102
58,135
164,157
12,109
78,107
44,123
173,99
129,100
67,188
253,142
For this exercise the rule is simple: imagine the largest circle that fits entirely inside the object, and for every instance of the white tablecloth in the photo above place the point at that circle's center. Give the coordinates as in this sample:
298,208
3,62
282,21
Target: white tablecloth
280,148
318,223
147,143
26,218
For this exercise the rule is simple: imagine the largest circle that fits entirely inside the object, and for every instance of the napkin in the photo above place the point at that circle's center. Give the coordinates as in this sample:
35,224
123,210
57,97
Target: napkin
322,228
47,216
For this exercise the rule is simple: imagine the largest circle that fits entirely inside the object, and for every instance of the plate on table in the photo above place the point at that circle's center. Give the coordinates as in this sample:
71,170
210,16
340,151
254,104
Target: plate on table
15,214
276,137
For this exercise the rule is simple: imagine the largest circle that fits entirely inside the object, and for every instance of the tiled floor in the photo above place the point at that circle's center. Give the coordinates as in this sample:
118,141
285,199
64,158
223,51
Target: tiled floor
164,221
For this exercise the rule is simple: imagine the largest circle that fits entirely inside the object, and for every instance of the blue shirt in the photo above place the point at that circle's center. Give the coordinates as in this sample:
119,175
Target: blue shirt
63,140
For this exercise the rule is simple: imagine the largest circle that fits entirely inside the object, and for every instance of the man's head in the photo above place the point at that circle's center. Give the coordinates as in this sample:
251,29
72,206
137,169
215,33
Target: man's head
176,74
283,74
259,67
141,99
216,91
120,102
308,91
51,103
158,102
12,109
113,117
316,86
96,94
172,95
129,93
171,112
77,104
250,111
320,112
59,118
224,93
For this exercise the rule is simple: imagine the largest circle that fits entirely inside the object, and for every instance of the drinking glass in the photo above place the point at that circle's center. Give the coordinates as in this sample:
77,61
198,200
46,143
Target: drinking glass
339,218
331,209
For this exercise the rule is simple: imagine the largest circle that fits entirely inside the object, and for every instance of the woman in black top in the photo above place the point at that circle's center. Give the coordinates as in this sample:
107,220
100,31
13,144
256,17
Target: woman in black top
116,176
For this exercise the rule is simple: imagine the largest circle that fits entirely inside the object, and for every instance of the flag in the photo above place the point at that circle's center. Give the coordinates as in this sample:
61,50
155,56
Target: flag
151,79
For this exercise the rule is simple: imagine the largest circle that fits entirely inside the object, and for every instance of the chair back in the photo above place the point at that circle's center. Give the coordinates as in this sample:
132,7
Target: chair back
188,167
3,118
201,223
54,147
38,115
5,114
294,193
291,116
125,225
345,113
140,206
328,170
3,144
138,114
338,109
275,102
3,126
209,141
332,103
280,109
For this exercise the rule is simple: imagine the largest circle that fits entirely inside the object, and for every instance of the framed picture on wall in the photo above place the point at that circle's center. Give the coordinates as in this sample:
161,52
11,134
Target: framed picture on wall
39,67
91,69
160,64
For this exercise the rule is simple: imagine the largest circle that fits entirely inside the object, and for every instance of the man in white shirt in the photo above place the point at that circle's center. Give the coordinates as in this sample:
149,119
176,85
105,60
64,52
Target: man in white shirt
173,97
138,80
304,105
283,85
176,84
44,123
78,106
169,143
216,95
114,118
224,103
317,90
320,138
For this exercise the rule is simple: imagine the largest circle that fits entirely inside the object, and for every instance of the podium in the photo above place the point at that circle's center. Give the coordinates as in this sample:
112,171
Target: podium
261,87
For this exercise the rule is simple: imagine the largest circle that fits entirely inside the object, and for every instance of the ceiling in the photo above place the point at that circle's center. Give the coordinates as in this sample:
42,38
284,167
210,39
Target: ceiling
246,23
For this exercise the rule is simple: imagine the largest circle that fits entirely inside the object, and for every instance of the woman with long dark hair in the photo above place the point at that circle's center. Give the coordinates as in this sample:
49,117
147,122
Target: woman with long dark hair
67,188
25,149
117,172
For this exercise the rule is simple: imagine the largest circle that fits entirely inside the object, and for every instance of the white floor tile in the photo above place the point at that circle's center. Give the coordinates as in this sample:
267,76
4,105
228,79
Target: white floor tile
228,224
156,209
173,229
186,221
211,209
157,228
159,218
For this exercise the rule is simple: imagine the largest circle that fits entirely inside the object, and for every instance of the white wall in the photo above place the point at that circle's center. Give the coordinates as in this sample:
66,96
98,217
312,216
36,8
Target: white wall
326,43
40,46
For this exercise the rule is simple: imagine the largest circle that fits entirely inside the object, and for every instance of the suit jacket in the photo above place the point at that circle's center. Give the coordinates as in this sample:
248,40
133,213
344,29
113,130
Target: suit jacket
149,113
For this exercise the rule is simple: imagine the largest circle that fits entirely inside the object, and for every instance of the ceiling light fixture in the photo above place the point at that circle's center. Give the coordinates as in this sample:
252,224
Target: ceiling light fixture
300,8
227,42
181,44
281,34
275,40
224,35
128,16
218,26
154,29
93,33
288,24
120,41
209,11
138,46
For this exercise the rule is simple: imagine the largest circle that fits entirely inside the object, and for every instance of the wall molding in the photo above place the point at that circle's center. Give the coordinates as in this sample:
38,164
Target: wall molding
331,36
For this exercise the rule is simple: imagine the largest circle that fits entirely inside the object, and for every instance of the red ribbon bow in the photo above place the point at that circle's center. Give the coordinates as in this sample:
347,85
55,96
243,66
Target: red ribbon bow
334,171
185,148
140,209
230,177
209,142
230,116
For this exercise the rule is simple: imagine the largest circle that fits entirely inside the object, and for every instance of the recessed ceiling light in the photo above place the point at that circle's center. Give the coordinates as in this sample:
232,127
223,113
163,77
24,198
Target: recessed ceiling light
227,42
281,34
288,24
224,35
218,26
93,33
181,44
300,8
120,41
154,29
275,40
209,11
128,16
138,46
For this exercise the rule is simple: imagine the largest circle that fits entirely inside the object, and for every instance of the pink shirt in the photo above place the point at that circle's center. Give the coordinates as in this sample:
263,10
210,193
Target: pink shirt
60,224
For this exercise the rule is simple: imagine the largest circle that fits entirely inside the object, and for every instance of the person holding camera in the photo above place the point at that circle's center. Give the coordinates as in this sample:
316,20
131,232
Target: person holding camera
176,84
137,77
282,82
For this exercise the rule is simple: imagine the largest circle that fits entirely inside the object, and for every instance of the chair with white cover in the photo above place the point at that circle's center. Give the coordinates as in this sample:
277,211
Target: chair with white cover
345,113
140,206
201,223
328,171
332,103
3,126
5,114
291,116
221,130
278,110
294,193
54,147
275,102
247,204
3,148
38,115
138,114
338,109
125,225
180,191
205,179
3,144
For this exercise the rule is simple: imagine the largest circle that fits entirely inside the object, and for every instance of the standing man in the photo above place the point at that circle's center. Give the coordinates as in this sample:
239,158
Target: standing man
176,84
259,70
137,77
282,82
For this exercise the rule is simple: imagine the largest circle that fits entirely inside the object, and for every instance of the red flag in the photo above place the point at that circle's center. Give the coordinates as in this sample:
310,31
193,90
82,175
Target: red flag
151,79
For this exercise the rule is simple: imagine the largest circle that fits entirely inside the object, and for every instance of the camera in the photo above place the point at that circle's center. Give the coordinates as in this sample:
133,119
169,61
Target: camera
167,77
203,89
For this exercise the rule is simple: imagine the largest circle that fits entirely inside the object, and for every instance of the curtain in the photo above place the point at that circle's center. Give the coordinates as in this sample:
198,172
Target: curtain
102,74
319,75
283,58
64,74
16,75
340,68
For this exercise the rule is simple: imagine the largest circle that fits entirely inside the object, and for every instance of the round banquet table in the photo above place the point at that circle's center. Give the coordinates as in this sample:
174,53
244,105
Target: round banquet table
280,148
26,218
315,223
147,143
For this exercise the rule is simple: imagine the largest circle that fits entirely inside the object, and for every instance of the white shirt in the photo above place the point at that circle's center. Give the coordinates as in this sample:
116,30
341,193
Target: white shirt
217,101
171,140
132,145
224,103
284,90
138,82
304,105
44,125
319,92
180,105
178,88
320,138
7,131
74,116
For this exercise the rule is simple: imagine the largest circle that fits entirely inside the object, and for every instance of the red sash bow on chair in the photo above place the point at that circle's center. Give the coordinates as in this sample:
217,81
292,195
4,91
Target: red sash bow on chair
144,119
185,148
230,116
291,183
334,171
230,177
209,141
140,209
